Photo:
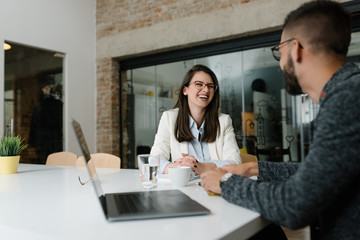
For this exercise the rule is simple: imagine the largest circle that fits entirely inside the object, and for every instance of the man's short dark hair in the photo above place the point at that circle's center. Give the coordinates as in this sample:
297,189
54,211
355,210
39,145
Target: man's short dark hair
325,26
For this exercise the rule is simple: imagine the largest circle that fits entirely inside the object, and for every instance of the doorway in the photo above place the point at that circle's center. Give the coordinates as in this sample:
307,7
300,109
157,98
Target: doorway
33,100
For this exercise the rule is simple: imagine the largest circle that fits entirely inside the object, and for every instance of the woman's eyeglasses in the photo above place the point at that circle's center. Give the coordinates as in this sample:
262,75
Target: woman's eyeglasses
201,85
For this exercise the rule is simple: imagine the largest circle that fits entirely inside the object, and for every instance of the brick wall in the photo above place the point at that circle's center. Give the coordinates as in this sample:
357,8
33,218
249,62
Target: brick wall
113,17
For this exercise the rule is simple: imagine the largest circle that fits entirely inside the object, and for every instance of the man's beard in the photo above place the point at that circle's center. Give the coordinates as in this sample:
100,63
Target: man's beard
292,82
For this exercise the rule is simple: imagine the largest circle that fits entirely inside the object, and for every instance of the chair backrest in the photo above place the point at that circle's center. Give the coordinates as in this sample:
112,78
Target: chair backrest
101,160
274,154
245,157
62,159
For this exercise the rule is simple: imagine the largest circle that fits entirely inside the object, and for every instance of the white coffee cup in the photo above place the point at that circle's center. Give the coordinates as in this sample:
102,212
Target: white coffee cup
179,175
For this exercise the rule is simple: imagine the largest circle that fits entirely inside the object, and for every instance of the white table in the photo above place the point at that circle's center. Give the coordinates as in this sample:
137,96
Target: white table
48,202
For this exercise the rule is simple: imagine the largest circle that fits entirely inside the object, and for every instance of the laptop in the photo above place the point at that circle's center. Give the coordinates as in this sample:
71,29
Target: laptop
138,205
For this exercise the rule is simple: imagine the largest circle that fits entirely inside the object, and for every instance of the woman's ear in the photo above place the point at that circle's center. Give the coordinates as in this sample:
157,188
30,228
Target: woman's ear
185,91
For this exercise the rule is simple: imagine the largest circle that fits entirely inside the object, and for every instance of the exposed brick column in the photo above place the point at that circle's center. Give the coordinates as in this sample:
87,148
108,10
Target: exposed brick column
107,119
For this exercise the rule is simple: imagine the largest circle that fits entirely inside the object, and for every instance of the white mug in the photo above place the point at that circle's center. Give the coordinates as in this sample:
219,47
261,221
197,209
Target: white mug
179,175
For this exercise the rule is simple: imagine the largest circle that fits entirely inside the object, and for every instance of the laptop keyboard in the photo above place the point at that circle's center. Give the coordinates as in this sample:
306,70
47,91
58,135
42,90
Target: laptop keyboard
129,203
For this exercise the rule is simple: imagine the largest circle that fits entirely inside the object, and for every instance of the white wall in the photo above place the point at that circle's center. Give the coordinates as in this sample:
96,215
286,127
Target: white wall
65,26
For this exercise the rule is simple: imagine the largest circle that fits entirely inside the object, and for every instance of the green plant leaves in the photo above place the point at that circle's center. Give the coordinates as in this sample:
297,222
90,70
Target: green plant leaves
11,145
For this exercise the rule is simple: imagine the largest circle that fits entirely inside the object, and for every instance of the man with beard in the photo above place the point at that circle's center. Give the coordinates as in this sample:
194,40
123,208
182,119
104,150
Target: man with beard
325,188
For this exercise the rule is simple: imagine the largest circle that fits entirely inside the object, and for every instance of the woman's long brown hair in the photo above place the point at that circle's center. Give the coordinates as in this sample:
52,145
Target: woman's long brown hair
211,117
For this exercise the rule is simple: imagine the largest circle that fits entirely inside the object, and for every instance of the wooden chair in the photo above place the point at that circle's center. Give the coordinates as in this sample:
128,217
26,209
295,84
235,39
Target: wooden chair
101,160
248,158
62,159
274,154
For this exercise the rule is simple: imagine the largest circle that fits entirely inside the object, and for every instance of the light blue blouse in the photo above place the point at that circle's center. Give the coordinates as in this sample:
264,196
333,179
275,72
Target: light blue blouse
198,149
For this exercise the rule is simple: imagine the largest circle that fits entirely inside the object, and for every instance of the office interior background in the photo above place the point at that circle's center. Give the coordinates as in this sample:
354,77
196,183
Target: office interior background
115,66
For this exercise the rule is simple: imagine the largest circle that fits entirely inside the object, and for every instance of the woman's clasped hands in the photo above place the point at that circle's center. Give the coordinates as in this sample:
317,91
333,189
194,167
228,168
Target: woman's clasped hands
196,166
187,160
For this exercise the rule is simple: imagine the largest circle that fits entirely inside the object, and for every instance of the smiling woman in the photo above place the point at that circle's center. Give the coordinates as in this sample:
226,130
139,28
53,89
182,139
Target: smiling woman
201,103
202,90
194,134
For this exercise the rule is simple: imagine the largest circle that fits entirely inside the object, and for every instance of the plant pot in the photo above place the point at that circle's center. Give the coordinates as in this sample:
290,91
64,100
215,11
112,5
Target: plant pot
9,164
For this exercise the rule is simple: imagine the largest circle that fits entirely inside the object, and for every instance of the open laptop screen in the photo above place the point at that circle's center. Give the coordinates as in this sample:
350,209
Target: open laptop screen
89,164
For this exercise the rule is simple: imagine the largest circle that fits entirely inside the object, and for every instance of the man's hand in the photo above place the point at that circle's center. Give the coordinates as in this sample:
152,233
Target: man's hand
210,180
244,169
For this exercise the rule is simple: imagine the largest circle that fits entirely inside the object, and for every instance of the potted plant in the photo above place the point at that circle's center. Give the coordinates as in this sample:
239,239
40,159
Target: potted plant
10,148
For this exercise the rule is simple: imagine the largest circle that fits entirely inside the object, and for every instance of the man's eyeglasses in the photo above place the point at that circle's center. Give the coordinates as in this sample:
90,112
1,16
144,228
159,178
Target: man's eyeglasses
276,50
201,85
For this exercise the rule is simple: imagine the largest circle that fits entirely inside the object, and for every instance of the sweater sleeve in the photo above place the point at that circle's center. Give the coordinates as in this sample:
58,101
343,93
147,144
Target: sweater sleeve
275,171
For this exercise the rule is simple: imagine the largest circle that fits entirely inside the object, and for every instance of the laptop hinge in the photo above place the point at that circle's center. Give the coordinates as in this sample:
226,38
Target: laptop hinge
103,204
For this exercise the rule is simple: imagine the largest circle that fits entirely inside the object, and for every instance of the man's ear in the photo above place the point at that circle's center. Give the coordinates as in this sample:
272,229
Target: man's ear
297,51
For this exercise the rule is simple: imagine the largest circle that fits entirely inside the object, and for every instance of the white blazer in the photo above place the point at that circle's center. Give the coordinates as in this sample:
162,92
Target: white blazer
224,148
